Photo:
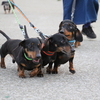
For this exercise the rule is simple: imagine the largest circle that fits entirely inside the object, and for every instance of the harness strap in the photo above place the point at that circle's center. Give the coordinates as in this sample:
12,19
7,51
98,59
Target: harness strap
71,42
49,53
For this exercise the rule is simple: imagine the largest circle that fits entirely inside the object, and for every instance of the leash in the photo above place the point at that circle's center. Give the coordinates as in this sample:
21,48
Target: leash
20,26
37,30
72,17
73,9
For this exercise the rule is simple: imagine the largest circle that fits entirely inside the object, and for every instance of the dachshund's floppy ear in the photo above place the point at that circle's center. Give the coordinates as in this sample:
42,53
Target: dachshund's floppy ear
78,36
46,44
41,42
22,43
60,26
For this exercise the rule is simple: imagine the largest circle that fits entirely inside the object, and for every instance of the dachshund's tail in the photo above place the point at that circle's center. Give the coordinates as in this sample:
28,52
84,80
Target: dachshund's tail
4,34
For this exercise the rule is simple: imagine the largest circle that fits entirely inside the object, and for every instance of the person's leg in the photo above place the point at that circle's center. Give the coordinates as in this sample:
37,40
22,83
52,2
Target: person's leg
67,7
92,12
83,14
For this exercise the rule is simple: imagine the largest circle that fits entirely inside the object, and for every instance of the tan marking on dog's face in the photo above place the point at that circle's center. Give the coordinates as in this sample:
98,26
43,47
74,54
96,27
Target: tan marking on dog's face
68,34
31,54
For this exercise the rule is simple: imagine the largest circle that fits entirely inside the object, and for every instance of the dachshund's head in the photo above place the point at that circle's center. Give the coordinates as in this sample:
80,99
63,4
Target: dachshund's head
70,30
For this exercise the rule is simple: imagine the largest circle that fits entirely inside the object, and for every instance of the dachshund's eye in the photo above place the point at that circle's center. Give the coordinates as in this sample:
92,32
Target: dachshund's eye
71,27
32,43
29,45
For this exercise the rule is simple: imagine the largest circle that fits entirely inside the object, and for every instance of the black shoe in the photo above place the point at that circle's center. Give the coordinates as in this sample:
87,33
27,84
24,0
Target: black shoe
89,32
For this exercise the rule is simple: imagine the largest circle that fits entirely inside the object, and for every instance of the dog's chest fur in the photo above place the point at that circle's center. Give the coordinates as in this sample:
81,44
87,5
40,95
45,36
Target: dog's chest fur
29,65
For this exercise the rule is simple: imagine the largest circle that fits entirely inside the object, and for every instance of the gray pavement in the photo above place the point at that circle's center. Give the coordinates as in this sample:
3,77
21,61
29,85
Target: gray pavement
46,16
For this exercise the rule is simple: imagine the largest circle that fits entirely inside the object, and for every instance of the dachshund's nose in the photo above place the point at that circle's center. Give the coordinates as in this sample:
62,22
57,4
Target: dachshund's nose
61,30
38,56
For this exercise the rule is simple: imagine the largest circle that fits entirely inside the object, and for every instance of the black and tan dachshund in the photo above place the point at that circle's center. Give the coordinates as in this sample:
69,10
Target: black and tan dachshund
53,45
70,30
6,6
26,53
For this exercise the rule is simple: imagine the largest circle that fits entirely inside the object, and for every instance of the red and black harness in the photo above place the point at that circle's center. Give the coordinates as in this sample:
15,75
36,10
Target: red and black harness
48,53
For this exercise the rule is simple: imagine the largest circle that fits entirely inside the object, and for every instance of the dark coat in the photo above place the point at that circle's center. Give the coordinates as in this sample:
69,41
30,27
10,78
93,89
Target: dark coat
85,11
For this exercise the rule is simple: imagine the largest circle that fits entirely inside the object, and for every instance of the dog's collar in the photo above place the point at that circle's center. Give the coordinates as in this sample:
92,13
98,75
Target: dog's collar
27,57
71,42
49,53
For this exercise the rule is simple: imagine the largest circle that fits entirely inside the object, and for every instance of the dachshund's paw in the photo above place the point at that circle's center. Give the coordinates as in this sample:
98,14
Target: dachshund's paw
22,76
49,71
72,71
54,72
39,75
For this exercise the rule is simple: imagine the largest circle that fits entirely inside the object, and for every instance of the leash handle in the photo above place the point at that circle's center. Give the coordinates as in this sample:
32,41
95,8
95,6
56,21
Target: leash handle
23,31
37,30
20,26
